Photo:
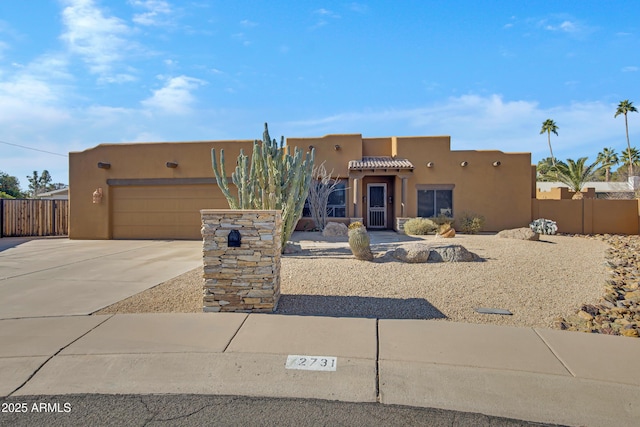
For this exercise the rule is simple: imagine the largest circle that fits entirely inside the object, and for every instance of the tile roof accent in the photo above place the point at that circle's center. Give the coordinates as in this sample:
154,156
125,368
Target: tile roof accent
380,163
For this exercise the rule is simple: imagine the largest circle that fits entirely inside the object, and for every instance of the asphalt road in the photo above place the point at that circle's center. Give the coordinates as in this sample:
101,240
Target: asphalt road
201,410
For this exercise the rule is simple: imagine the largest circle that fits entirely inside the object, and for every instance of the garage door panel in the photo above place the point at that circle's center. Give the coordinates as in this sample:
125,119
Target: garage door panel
162,211
153,232
166,205
156,219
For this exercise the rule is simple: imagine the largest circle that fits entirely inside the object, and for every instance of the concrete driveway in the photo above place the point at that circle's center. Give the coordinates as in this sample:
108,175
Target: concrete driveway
58,276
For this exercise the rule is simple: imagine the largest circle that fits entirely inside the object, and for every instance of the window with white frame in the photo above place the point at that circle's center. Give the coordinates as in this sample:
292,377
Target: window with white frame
435,200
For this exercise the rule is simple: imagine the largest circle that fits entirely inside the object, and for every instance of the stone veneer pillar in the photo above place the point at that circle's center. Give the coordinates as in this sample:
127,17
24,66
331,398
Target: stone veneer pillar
247,278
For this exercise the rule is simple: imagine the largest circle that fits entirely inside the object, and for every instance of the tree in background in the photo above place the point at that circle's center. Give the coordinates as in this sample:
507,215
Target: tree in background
40,184
631,159
545,171
549,126
607,158
575,174
625,107
9,187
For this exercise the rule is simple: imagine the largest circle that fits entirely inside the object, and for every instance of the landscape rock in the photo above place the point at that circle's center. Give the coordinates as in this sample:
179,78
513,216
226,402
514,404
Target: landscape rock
335,229
618,312
524,233
447,234
420,252
292,248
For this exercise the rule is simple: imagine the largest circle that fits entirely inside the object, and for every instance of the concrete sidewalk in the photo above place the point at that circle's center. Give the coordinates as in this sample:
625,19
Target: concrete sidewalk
521,373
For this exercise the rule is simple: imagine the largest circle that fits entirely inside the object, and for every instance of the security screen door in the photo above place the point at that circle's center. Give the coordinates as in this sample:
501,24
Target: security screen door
377,205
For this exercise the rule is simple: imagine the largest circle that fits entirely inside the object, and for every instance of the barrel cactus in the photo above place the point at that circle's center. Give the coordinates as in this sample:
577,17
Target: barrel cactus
359,243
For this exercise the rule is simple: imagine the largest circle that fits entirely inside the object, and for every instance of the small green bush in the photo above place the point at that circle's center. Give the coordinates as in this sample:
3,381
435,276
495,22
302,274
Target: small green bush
470,223
442,219
420,226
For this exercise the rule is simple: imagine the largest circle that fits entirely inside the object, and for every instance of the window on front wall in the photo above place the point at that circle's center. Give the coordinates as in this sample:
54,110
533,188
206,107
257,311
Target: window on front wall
435,202
336,205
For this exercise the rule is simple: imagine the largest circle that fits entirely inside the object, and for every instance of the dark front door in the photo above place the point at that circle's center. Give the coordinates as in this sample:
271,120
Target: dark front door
377,205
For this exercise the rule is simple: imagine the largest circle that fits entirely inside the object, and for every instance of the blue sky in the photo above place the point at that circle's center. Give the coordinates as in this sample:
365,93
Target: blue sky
77,73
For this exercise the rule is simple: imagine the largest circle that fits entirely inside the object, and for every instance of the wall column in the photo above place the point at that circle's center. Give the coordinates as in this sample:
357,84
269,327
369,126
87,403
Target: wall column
356,196
244,278
404,198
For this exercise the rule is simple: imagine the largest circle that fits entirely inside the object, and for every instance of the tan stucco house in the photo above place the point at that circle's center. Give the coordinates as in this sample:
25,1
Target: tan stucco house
156,190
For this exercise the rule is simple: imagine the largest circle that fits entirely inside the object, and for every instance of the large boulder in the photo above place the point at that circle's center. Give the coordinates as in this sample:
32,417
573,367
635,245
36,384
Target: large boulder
524,233
416,252
420,252
335,229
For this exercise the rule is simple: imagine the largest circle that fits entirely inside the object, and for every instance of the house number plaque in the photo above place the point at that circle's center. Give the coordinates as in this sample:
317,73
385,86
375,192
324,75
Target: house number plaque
312,363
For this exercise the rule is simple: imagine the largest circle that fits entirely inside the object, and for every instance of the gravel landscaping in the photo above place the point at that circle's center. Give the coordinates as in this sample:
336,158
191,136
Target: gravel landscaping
537,281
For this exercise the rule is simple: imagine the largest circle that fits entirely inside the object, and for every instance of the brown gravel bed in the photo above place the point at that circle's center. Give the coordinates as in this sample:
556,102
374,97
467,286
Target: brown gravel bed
538,282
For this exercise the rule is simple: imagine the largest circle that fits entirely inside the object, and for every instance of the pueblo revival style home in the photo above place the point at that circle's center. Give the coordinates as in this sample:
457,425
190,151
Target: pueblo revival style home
156,190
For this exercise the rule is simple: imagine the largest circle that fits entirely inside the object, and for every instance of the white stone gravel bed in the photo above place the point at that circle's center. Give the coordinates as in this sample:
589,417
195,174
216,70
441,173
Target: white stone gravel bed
536,281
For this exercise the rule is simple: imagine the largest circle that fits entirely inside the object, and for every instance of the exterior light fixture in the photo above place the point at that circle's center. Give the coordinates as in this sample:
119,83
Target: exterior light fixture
463,164
103,165
430,164
97,195
496,163
311,147
172,165
336,147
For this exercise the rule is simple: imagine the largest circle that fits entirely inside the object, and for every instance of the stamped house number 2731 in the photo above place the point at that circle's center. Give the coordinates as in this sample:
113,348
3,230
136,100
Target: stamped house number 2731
312,363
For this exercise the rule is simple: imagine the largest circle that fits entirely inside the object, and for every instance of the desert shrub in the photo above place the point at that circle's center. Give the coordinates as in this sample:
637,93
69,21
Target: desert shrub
544,226
420,226
470,223
442,219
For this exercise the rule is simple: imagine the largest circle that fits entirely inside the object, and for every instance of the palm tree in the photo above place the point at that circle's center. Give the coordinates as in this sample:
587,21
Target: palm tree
631,158
575,174
625,107
545,170
608,157
549,126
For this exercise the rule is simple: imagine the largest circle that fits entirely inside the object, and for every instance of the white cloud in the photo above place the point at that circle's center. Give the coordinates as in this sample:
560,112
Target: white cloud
247,23
323,14
97,38
175,97
158,12
358,7
566,25
242,38
484,123
3,47
630,69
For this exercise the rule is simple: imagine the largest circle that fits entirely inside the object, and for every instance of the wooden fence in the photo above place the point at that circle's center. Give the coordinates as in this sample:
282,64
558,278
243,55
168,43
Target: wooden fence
33,217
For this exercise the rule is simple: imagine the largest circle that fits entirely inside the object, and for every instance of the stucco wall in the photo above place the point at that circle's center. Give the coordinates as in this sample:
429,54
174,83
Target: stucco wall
501,194
335,159
135,162
589,216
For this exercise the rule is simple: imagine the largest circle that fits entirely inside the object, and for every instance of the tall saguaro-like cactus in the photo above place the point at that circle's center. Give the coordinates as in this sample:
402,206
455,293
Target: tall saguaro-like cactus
272,179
